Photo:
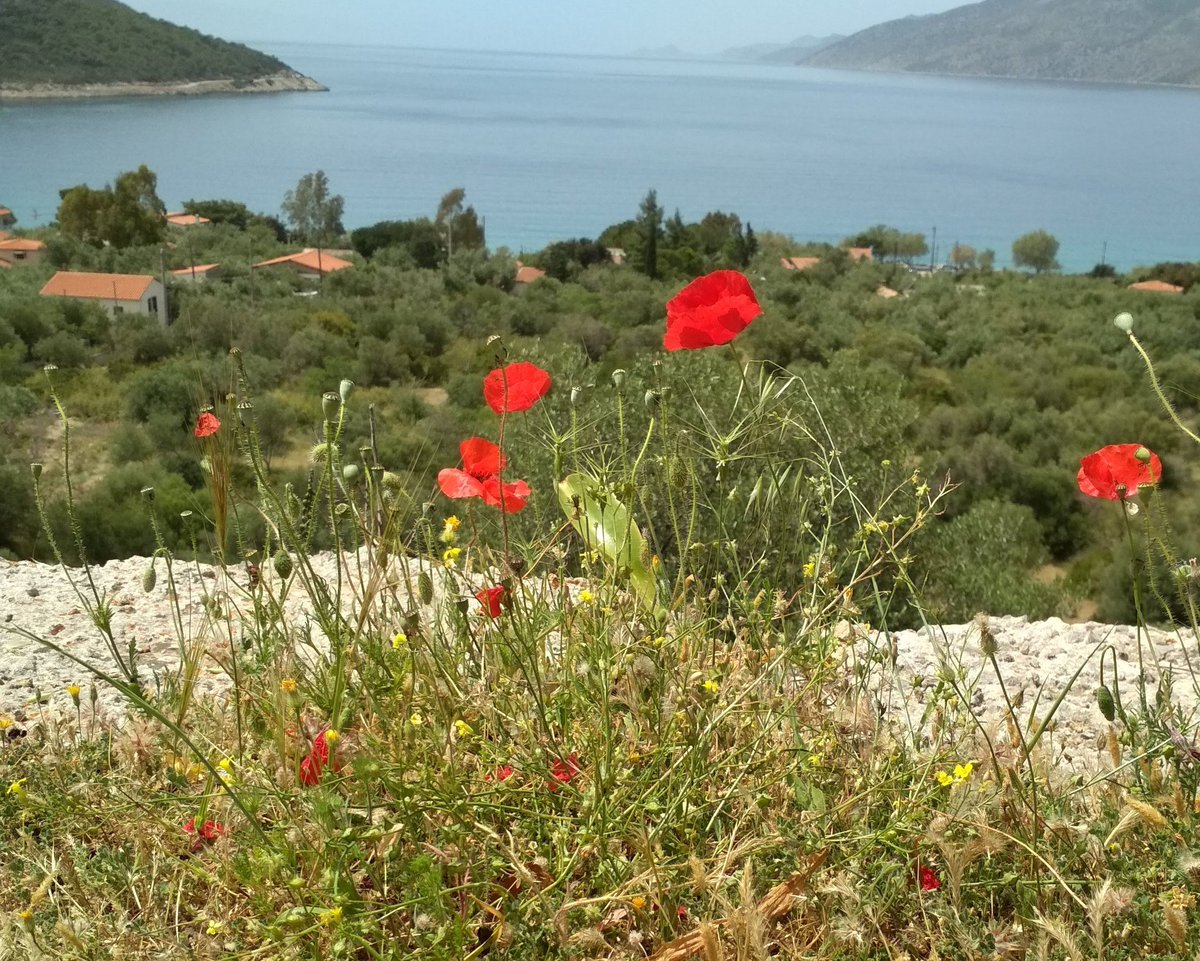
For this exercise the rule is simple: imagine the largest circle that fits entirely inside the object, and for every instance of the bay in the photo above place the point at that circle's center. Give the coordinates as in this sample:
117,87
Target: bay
551,147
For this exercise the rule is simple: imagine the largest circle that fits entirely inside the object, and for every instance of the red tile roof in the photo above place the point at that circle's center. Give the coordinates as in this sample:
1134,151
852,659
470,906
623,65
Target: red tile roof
310,260
181,219
1157,286
20,243
198,269
799,263
527,275
861,253
68,283
5,212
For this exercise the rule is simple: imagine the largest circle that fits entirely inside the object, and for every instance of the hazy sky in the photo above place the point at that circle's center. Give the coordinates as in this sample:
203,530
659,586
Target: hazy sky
609,26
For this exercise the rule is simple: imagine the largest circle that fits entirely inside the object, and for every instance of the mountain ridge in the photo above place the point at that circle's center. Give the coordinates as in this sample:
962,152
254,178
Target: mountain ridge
1100,41
92,47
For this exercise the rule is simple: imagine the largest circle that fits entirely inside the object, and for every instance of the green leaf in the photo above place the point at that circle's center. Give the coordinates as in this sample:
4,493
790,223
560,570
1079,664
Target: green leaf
606,526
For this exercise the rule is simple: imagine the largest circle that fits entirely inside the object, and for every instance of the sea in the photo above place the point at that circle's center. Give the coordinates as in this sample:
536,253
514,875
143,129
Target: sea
552,147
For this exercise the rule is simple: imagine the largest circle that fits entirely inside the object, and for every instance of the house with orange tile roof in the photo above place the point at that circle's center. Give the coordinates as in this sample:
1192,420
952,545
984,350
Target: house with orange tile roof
799,263
21,250
179,218
527,275
7,217
1156,287
197,273
858,254
117,294
311,264
887,293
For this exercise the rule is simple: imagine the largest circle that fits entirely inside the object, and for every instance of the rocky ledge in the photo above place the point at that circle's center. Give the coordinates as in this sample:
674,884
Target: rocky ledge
283,82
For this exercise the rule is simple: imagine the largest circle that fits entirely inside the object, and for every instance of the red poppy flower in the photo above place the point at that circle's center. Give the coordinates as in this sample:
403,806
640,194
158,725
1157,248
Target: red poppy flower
928,879
711,310
503,773
563,772
516,387
208,833
482,463
1116,472
316,762
491,598
207,424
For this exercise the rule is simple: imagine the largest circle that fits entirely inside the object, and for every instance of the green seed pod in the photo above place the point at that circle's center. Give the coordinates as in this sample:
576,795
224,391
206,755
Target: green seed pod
350,473
678,474
282,564
1104,701
36,470
331,404
149,579
425,587
344,389
1124,321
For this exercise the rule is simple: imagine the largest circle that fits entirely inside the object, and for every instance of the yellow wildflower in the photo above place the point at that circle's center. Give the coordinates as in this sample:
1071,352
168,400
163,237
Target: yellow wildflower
415,719
288,685
711,686
74,690
450,556
5,723
450,530
944,779
225,768
810,569
17,789
332,916
399,640
816,760
638,902
463,729
332,737
587,597
962,772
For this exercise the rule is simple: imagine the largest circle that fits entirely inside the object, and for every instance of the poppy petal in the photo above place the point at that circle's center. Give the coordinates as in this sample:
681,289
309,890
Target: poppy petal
510,498
481,458
458,485
515,388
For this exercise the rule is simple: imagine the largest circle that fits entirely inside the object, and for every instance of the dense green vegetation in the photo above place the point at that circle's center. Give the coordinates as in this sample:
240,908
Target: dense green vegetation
994,383
101,41
1107,41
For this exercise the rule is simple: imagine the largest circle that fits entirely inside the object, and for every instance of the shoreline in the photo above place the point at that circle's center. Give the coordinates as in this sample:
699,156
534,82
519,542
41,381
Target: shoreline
285,81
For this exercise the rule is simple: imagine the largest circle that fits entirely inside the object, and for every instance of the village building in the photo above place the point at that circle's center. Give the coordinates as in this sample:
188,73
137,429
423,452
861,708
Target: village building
860,254
181,219
1157,287
7,217
21,250
526,275
310,264
117,293
799,263
198,274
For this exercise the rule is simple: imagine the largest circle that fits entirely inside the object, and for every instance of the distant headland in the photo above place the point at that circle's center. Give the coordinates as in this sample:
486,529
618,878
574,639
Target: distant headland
72,49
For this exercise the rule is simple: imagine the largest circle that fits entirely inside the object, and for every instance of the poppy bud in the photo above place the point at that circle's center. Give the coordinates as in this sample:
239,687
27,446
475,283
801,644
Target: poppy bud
330,405
36,470
1104,700
576,394
282,564
679,474
344,389
350,473
149,579
653,400
1143,455
1124,321
618,379
425,587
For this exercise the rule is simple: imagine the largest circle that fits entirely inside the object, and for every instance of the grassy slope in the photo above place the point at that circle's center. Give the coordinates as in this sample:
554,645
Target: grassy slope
102,41
1128,41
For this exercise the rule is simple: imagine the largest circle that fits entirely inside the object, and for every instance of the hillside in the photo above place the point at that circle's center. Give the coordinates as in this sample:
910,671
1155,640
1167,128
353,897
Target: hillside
1111,41
84,43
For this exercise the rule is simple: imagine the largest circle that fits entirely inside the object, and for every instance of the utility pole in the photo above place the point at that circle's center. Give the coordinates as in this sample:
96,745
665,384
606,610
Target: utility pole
933,250
1104,254
165,318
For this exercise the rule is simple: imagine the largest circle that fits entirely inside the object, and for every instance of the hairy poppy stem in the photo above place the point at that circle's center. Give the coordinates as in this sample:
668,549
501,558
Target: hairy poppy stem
1158,391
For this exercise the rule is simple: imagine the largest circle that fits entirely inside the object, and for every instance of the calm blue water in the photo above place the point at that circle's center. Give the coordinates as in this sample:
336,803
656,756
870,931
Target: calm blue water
552,147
